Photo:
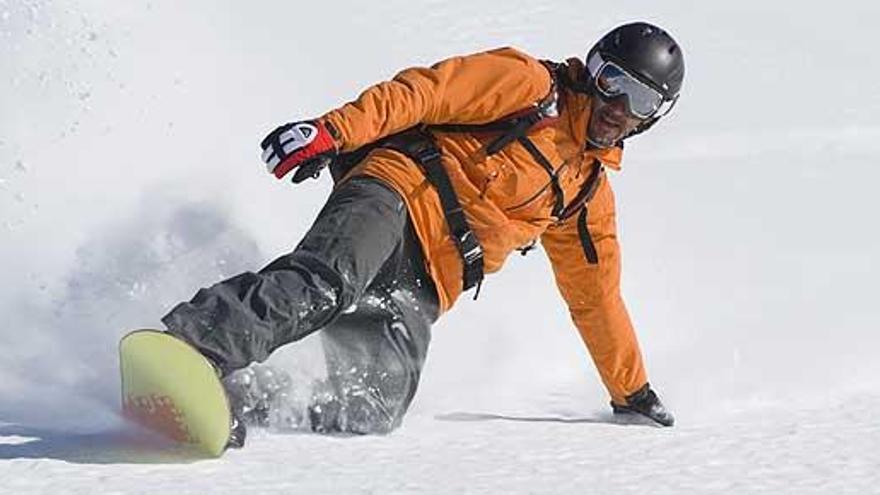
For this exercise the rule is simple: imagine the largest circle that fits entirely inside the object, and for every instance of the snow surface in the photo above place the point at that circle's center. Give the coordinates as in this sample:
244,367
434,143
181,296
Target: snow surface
129,177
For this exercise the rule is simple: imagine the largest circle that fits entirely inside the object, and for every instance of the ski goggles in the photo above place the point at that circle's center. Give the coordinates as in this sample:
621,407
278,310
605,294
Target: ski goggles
613,81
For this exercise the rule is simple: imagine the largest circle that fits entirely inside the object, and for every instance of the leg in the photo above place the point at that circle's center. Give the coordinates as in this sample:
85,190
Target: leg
245,318
375,354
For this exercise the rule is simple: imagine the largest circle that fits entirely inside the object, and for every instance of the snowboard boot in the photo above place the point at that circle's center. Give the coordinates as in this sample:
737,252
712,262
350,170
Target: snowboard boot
237,428
350,409
644,402
254,392
237,433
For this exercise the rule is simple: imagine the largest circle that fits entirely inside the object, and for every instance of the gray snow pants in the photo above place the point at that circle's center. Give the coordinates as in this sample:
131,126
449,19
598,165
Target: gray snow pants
358,276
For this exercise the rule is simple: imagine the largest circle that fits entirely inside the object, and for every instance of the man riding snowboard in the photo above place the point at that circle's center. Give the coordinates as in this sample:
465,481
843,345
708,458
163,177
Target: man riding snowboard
441,174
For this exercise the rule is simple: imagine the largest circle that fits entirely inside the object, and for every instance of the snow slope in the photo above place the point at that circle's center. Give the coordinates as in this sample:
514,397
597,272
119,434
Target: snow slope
825,450
129,177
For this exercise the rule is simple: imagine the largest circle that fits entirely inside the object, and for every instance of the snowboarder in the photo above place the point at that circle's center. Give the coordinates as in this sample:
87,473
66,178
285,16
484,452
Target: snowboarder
441,173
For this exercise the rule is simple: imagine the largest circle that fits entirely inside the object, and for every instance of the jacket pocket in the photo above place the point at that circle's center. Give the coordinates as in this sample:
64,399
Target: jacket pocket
587,241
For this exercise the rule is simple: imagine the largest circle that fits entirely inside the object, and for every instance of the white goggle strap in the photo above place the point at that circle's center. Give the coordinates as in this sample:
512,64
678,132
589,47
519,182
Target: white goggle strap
666,107
594,63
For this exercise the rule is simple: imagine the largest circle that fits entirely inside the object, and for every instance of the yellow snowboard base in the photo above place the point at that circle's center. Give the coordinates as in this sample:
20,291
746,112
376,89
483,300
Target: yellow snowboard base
170,388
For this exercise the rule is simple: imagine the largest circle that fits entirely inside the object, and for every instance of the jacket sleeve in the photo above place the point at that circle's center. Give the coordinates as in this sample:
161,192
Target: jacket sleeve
473,89
585,256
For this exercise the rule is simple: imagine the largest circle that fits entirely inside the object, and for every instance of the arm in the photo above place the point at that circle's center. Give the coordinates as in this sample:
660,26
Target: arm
591,288
473,89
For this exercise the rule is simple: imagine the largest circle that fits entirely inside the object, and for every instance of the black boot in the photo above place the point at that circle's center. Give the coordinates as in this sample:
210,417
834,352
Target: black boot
254,392
237,428
237,433
645,402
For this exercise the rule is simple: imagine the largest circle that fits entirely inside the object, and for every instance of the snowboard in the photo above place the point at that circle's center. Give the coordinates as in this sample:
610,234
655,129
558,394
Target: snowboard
170,388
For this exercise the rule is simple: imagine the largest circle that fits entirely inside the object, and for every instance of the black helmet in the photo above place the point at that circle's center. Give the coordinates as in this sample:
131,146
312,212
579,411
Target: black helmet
647,52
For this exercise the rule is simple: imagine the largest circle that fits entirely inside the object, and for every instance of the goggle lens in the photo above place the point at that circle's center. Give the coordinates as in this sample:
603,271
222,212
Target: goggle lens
613,81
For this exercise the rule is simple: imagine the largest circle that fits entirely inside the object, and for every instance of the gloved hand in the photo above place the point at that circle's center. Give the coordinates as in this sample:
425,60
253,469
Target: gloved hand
307,146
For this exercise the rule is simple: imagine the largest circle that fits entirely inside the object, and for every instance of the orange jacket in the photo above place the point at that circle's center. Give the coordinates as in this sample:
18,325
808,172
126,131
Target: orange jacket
507,196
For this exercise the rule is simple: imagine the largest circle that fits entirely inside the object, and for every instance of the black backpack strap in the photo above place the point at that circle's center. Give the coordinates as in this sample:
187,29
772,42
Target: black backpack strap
588,190
420,147
518,130
509,129
496,126
539,157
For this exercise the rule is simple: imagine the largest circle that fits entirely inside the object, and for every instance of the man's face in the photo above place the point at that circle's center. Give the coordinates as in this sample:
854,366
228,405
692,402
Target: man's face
609,122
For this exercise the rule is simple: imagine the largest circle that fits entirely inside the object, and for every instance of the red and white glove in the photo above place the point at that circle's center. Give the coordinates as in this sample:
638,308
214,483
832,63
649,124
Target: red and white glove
307,146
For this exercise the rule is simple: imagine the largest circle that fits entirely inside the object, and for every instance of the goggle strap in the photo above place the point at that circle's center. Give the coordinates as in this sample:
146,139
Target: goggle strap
669,108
